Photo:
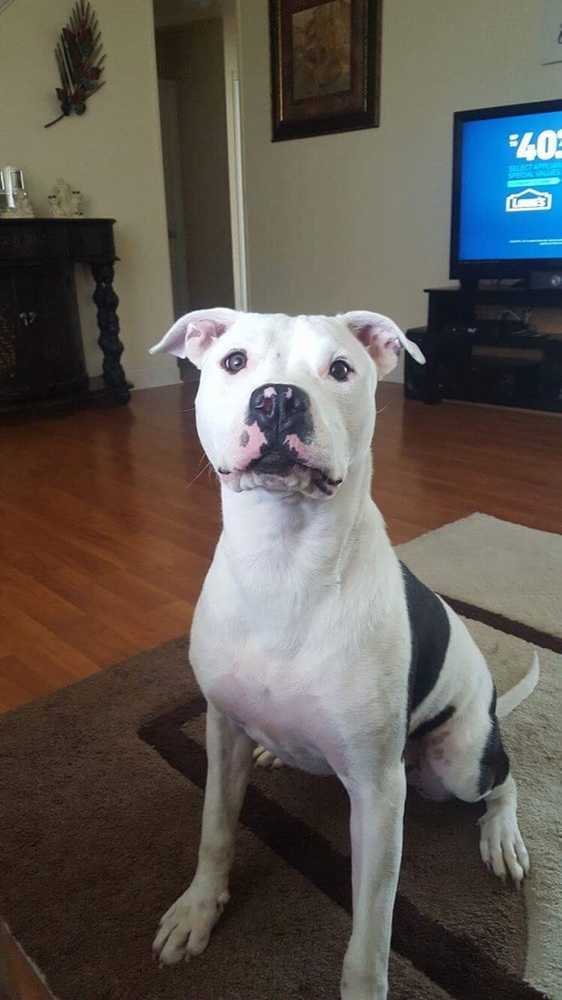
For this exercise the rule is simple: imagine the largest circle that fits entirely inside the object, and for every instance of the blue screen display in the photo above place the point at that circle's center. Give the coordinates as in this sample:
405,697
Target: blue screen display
511,188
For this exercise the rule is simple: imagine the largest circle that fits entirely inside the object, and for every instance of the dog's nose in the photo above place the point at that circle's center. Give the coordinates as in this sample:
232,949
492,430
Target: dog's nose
279,409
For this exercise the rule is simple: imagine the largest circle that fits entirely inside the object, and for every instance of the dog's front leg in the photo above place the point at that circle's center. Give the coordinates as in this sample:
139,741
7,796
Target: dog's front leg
377,812
186,927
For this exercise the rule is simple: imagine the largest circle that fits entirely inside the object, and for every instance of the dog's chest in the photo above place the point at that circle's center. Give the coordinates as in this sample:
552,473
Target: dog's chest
282,709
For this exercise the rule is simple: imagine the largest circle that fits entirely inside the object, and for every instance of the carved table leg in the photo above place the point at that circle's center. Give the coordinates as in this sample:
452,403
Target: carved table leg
106,300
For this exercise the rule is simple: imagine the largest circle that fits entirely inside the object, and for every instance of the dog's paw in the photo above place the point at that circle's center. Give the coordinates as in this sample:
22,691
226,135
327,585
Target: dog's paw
358,985
186,927
264,758
502,847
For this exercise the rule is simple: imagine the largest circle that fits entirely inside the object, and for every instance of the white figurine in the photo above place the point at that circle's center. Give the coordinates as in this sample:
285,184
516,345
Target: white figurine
23,208
77,204
64,203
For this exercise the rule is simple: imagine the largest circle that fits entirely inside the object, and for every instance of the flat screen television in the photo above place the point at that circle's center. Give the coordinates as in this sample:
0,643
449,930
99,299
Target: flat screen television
507,192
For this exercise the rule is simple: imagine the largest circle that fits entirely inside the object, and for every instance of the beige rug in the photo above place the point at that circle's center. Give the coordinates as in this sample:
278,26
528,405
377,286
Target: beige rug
517,572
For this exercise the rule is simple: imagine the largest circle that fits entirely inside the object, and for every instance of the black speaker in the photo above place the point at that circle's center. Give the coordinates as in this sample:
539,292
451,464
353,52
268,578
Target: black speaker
420,381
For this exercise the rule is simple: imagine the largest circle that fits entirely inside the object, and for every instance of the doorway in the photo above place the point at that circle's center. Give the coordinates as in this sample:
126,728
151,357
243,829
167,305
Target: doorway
197,61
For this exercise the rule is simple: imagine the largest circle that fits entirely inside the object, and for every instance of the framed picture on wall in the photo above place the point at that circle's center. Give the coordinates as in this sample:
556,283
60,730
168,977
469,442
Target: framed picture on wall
325,66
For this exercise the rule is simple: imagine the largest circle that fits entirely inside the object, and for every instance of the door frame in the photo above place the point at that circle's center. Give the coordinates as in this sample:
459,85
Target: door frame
233,92
231,19
171,161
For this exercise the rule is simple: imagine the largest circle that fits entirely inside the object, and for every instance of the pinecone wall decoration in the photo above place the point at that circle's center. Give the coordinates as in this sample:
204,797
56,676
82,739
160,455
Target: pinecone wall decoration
80,61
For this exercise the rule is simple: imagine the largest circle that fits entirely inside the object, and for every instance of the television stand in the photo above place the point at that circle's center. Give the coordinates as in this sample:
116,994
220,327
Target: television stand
481,347
535,281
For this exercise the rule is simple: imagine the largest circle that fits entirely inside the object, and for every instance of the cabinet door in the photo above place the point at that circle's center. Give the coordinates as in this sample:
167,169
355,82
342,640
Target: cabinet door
8,337
51,352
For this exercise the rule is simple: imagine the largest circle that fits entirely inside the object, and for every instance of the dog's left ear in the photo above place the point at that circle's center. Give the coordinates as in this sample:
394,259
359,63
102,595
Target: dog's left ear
192,334
382,338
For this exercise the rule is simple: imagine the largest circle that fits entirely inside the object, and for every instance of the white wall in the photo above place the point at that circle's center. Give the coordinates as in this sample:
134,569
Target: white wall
112,154
361,220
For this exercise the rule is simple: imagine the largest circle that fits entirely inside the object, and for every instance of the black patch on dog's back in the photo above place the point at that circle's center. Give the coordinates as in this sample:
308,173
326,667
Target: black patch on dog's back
494,763
430,633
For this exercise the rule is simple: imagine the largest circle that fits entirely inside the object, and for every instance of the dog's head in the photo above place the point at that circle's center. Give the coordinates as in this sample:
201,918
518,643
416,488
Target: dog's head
286,404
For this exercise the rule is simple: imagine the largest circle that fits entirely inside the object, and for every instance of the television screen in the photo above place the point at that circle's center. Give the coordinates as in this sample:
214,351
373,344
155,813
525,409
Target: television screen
507,193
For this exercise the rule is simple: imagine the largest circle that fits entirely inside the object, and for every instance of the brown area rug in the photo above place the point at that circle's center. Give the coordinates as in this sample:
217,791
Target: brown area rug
101,796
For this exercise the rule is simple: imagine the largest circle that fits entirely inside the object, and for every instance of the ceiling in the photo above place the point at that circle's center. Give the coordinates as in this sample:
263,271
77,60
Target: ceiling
168,13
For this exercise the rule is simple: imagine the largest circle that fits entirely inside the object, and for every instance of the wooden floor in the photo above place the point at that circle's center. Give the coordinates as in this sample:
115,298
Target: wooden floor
108,518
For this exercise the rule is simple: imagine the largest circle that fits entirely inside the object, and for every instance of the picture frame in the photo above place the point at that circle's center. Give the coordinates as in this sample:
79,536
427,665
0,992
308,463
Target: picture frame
325,66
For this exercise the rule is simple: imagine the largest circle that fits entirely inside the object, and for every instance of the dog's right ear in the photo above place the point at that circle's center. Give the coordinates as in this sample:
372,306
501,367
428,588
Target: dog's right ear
192,334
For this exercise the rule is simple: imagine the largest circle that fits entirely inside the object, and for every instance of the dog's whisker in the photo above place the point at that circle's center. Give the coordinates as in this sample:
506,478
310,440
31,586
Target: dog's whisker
198,475
382,409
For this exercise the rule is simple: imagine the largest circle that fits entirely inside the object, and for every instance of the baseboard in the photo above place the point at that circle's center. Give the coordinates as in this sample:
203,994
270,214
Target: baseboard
147,378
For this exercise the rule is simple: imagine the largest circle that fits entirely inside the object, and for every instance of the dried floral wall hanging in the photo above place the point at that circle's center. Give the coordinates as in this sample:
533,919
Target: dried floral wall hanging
80,61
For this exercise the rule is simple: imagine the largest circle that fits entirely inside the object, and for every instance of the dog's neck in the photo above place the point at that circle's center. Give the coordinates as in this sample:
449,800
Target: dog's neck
268,536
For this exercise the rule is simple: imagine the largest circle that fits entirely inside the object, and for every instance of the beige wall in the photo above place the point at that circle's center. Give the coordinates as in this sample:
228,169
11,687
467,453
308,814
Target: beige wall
112,154
194,57
361,220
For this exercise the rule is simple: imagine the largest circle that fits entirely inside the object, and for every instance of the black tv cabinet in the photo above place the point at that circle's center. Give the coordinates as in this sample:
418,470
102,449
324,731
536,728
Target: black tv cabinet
481,347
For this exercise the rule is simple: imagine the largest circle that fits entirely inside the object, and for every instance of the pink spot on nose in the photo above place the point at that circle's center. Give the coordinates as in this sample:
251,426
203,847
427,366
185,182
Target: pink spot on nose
270,391
295,444
251,442
289,393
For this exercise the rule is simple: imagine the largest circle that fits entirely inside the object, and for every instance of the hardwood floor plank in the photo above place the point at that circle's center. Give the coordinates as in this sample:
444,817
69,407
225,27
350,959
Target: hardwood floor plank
12,694
175,617
27,678
34,599
32,643
104,644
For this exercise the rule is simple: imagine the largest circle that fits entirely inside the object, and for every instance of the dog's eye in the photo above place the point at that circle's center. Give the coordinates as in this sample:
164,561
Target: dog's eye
235,362
340,370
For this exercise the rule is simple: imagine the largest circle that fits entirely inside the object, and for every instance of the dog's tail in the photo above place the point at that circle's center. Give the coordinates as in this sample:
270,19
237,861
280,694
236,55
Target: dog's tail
512,698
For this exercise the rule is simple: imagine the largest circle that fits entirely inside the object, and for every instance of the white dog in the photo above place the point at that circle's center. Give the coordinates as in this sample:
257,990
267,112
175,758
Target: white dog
310,639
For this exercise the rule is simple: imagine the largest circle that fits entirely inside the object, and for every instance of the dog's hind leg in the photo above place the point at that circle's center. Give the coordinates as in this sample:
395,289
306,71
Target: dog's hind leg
501,844
468,756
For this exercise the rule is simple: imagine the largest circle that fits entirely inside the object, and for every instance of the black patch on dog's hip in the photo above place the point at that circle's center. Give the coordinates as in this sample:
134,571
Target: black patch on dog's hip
430,724
494,763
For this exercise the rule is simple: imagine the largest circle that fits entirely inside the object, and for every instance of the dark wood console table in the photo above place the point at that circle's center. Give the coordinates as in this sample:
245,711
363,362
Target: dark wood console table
41,350
481,346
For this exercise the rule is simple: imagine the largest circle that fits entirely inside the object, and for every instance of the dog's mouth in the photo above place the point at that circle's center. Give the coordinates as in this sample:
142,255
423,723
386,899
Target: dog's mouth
273,462
279,470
